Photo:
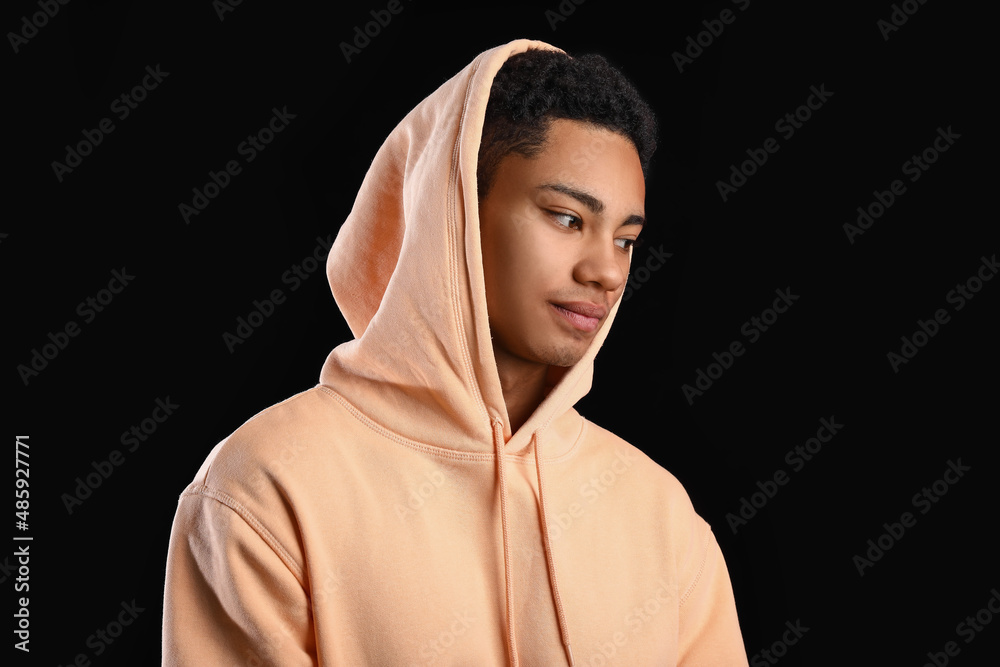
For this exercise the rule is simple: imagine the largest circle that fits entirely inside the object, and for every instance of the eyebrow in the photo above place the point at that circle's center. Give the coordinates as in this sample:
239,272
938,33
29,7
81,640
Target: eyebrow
594,204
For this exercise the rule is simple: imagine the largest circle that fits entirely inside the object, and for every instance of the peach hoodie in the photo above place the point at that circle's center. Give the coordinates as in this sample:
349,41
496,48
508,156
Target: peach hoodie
388,516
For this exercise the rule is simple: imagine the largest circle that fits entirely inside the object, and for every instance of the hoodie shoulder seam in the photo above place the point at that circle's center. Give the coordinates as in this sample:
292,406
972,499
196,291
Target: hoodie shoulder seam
701,568
244,513
208,469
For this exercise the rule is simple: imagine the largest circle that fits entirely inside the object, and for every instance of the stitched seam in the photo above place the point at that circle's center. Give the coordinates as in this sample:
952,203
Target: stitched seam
452,241
573,448
208,471
244,513
697,576
419,446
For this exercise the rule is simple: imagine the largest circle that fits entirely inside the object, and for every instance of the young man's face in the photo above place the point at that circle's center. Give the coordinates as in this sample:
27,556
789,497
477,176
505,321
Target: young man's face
556,231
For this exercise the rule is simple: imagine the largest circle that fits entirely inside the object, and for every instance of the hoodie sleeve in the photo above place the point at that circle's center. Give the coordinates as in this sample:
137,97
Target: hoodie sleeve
231,596
709,629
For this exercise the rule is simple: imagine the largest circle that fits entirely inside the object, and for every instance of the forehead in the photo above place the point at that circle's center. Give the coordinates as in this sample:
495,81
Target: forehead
587,157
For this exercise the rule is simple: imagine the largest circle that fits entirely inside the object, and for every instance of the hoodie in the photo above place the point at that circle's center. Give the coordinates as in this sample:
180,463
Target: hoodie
389,516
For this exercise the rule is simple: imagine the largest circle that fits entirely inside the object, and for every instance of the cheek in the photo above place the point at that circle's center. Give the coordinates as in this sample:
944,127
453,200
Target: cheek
508,259
540,259
515,235
519,249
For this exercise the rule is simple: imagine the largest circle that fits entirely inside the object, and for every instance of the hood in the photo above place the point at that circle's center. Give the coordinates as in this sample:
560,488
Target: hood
406,271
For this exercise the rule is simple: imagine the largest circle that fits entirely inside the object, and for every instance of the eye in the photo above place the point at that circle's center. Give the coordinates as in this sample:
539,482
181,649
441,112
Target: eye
628,244
566,219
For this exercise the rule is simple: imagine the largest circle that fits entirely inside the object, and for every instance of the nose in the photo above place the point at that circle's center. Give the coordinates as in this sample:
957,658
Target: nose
602,263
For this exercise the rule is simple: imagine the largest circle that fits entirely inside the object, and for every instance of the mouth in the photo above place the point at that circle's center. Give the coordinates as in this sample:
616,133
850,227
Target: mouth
581,315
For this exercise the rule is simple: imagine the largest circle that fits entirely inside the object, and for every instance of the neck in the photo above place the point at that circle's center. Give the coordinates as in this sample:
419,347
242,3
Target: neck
524,386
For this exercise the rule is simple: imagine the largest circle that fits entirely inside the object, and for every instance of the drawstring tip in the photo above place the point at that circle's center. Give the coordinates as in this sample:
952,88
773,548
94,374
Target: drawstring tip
569,654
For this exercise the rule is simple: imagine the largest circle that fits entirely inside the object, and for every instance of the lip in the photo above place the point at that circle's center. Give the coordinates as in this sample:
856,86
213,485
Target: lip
581,315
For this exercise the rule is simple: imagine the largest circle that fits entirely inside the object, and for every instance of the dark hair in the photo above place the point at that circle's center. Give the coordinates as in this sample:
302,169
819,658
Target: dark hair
538,85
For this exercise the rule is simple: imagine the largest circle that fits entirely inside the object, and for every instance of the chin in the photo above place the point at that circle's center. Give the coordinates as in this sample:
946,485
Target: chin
565,357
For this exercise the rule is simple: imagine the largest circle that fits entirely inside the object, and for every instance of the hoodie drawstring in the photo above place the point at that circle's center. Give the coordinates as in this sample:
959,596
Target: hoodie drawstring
549,559
499,444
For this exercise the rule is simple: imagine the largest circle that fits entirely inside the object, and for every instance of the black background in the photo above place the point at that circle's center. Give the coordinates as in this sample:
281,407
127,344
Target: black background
824,358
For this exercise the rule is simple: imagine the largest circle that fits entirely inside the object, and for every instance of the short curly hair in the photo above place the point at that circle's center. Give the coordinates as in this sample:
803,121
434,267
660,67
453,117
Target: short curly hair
538,85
